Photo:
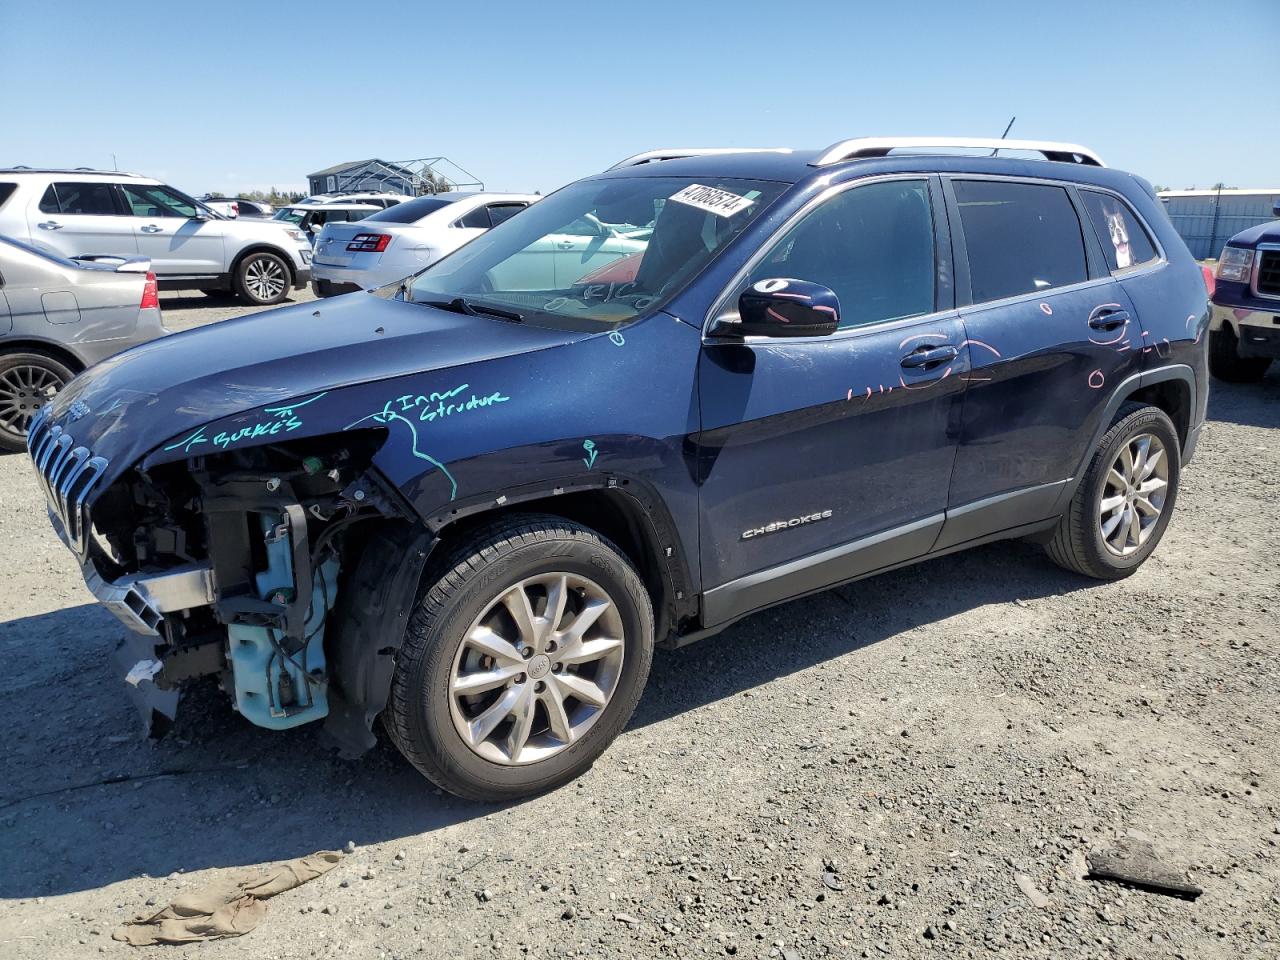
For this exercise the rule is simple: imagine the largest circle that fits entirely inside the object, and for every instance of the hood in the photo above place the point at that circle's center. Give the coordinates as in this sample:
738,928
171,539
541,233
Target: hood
129,404
1262,233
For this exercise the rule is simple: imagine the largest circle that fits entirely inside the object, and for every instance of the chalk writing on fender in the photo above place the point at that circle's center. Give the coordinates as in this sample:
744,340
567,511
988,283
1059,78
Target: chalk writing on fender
278,420
436,406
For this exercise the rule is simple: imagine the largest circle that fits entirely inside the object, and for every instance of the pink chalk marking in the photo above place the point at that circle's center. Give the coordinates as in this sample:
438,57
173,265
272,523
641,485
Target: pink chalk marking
850,396
776,315
830,310
981,344
1046,310
793,296
1097,375
923,336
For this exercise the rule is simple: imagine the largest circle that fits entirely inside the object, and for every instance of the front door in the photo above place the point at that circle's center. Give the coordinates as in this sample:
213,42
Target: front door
76,218
822,458
167,233
1050,335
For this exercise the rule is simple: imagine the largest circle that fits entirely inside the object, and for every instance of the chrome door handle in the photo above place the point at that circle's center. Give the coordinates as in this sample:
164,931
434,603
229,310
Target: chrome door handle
566,244
152,228
49,225
1109,319
930,355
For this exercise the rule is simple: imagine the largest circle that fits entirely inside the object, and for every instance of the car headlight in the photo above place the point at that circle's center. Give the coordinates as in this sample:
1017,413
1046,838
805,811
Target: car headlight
1235,264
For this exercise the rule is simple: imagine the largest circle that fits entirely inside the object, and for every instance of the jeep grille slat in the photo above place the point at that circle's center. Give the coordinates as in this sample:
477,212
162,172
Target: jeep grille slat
67,473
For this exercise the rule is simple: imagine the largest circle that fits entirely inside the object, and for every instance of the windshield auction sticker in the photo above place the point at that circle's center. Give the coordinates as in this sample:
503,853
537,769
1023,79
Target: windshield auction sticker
720,202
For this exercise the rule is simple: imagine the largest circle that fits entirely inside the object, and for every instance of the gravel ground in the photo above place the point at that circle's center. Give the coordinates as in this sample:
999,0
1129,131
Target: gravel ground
863,773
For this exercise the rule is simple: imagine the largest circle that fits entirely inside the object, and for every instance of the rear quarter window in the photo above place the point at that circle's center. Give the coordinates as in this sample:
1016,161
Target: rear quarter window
1125,241
1021,238
7,190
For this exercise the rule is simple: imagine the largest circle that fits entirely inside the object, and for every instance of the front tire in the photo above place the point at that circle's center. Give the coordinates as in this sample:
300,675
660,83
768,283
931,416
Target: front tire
522,661
1124,501
28,381
1225,361
262,279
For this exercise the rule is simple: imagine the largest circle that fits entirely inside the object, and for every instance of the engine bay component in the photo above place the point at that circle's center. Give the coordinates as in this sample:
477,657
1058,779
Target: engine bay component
280,677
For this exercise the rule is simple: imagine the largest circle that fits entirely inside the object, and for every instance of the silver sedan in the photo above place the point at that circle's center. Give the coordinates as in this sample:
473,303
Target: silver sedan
58,316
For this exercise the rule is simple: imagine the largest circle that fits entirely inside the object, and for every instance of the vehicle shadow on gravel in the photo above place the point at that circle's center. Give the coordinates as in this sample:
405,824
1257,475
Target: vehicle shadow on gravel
218,792
821,627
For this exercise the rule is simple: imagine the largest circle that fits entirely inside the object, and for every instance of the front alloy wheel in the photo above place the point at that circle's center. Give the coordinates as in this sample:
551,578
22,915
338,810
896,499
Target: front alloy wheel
537,668
262,279
525,656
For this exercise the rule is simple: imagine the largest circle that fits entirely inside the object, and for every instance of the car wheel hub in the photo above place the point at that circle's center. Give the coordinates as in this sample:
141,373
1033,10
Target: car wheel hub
23,391
536,669
1133,494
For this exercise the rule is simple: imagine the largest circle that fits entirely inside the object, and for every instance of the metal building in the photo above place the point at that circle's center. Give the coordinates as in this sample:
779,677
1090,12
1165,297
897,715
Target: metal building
415,178
1207,219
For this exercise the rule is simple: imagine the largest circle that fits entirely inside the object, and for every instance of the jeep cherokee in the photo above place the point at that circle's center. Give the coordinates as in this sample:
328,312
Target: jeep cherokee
470,503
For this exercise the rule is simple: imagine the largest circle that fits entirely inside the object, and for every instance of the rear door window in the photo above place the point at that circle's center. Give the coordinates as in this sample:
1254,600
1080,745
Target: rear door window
1021,238
499,212
1125,241
93,199
477,219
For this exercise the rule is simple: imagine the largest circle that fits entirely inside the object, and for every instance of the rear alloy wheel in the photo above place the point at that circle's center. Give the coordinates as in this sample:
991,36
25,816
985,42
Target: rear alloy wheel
522,661
1124,501
28,381
1225,361
262,279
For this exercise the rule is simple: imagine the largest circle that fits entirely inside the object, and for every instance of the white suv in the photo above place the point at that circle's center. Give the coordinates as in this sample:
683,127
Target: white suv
85,212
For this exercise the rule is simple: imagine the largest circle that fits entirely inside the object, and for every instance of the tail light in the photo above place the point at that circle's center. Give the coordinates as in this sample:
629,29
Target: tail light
369,242
1210,283
150,294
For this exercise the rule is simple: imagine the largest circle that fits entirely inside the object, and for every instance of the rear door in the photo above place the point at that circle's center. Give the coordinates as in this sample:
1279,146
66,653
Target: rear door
1050,335
76,217
176,243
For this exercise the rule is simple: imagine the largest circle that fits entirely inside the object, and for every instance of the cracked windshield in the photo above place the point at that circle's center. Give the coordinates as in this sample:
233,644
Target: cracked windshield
597,253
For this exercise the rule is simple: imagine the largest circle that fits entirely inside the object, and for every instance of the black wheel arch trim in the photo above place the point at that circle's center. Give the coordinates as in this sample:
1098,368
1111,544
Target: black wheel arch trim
1123,391
638,500
264,248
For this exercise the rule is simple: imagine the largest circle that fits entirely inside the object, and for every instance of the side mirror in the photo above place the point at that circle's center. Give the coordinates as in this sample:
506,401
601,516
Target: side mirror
1275,208
780,307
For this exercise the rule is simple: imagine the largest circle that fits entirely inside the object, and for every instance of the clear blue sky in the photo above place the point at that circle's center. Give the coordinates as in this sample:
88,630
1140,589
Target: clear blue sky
232,96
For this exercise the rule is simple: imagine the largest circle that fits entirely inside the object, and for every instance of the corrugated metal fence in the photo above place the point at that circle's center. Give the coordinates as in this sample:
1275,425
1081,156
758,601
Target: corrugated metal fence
1208,220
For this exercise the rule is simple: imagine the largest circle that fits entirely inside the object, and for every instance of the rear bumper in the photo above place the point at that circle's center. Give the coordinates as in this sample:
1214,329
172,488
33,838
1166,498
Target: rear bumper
348,277
331,288
1258,331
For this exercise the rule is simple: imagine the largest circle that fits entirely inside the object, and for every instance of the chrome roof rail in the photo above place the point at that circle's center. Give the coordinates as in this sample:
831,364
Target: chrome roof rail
652,156
866,147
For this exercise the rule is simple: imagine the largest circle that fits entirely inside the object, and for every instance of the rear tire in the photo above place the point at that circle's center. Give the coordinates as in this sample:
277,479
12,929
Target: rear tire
1225,361
489,710
28,380
1098,536
262,279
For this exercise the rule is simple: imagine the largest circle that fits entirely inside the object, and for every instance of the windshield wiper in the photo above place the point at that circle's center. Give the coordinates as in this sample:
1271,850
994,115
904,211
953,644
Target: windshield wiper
461,305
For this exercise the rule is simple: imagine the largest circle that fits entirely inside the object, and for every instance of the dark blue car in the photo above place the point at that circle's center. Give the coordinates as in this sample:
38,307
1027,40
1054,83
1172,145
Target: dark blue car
662,398
1244,332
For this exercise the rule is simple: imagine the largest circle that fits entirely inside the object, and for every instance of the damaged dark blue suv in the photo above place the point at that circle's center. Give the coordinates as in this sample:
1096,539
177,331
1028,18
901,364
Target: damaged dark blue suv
698,384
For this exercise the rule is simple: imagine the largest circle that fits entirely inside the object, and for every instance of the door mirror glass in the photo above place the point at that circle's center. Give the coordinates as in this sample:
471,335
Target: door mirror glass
780,307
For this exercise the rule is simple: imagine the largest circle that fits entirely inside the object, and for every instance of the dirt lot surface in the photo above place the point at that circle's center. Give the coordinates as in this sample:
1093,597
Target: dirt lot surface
865,773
